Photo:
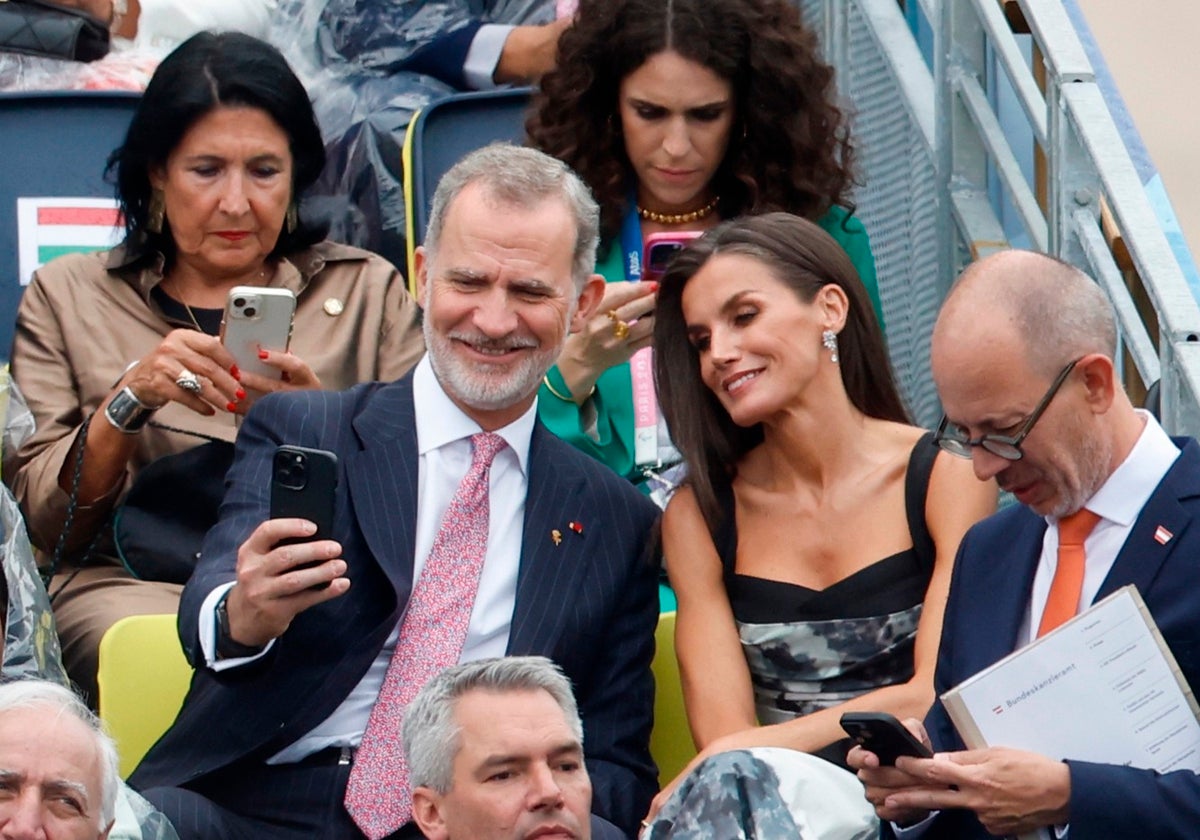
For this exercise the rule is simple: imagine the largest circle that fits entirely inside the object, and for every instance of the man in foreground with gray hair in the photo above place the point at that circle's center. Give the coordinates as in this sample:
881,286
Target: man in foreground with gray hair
58,770
462,529
495,752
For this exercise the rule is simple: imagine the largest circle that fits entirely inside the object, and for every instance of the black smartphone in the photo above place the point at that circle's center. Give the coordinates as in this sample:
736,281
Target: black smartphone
303,486
883,735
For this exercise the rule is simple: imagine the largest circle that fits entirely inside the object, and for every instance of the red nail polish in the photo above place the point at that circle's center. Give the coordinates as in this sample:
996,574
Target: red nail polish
231,407
240,394
234,372
263,354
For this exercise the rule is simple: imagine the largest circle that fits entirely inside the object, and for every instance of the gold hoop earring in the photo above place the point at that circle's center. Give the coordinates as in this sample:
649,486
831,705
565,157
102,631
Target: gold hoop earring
157,211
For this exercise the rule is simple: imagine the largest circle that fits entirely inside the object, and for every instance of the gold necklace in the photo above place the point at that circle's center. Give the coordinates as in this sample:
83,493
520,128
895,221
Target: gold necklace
191,315
262,275
679,218
187,308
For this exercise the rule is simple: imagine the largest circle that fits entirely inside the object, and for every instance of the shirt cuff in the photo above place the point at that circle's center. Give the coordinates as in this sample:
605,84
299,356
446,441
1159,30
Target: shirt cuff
479,69
208,634
915,830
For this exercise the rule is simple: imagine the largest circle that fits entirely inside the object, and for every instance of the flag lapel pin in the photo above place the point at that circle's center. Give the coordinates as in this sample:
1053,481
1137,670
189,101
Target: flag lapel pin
1162,536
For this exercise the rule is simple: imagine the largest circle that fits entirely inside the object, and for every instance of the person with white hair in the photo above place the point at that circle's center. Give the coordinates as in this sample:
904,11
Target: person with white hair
58,769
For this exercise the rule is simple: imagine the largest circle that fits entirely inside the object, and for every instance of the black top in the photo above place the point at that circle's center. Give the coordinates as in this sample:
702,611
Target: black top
208,320
889,585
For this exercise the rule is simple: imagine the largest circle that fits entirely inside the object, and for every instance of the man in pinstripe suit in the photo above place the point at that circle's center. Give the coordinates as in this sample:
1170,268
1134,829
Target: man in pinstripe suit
292,641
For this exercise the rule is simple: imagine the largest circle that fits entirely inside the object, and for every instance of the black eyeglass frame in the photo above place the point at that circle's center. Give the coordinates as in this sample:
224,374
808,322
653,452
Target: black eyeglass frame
1007,447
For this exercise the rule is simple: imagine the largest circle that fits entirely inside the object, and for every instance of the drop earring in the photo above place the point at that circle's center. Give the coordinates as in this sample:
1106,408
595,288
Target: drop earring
829,342
292,219
157,211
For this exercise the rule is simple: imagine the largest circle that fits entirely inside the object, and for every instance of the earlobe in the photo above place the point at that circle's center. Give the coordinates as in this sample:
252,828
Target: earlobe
421,267
589,300
1099,380
834,306
157,177
427,814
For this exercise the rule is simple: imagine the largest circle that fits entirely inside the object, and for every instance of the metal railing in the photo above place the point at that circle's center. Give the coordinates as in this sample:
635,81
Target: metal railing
1084,198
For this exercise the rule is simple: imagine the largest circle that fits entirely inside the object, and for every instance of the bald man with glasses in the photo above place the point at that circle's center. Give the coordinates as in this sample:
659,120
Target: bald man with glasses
1022,355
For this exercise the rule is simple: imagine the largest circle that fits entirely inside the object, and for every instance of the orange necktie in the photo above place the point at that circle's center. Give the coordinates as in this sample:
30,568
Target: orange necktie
1065,589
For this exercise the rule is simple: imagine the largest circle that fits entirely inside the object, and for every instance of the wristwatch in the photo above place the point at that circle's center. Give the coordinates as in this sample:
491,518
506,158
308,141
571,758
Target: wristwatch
127,413
227,648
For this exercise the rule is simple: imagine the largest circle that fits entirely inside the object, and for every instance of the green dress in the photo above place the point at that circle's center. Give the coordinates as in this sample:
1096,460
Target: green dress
613,400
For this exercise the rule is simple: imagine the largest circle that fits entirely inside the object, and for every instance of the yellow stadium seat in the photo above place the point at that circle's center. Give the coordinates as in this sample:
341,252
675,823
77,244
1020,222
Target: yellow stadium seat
670,740
143,678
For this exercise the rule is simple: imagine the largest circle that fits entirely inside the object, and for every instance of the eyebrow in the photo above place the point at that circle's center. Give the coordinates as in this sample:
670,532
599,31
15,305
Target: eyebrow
52,786
637,101
271,156
730,303
65,786
464,274
501,760
521,284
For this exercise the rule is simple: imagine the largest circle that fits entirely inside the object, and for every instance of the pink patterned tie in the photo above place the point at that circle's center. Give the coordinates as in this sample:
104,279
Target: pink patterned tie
431,638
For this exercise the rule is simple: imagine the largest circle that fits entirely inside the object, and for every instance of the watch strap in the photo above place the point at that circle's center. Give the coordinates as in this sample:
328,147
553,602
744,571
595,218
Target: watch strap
227,647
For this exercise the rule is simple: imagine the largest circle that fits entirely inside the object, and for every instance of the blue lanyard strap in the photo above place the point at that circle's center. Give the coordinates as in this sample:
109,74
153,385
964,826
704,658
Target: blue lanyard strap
631,242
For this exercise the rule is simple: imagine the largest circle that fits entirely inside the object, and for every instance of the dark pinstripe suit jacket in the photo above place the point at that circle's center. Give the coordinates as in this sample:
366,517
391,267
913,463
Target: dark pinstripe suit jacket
589,603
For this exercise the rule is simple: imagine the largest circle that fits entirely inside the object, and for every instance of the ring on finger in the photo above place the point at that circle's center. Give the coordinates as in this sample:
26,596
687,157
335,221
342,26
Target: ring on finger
620,328
188,381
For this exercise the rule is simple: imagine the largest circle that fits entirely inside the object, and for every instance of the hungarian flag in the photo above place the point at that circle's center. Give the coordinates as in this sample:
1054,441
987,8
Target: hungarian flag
50,227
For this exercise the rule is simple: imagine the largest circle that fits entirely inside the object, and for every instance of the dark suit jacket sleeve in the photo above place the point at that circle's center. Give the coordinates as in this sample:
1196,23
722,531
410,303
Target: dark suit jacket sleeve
619,710
1109,801
246,505
445,56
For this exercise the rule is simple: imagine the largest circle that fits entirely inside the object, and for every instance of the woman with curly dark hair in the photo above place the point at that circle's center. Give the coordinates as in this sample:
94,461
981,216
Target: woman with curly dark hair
678,114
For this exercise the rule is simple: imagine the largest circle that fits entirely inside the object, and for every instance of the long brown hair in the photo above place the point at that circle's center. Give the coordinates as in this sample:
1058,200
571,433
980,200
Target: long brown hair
804,258
790,145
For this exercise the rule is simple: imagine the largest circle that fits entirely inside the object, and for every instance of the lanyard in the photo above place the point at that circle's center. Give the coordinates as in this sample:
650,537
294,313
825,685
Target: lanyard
641,364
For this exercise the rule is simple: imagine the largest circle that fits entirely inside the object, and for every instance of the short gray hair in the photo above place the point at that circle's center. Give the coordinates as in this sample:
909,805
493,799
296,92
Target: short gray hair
523,177
430,733
33,693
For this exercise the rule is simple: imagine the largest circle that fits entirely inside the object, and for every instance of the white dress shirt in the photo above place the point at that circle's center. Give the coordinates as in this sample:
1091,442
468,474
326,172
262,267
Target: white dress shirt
1118,503
444,448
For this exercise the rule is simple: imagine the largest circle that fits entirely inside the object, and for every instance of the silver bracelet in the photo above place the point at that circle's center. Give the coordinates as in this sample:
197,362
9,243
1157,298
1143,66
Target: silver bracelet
127,413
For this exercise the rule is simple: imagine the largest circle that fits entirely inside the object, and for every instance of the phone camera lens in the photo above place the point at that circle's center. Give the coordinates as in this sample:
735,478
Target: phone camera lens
239,302
251,311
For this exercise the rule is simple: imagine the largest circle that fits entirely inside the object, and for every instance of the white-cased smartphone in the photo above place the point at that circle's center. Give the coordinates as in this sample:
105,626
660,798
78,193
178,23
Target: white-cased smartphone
257,318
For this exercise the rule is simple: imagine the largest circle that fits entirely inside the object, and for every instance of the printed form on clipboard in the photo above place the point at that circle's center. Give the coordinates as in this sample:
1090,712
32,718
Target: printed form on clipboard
1103,687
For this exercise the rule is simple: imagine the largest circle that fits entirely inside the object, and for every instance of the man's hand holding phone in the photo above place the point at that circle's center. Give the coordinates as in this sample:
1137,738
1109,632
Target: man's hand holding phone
886,775
288,563
278,579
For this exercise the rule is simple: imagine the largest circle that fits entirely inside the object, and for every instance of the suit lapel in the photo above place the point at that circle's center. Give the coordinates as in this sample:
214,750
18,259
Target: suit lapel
382,476
1144,551
550,570
1003,611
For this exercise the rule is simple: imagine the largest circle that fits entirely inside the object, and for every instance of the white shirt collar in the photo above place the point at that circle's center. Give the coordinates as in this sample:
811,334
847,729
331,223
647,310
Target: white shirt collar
441,422
1121,498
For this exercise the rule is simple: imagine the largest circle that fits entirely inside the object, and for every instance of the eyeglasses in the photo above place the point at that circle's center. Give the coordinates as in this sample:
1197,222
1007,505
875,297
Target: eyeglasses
954,439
